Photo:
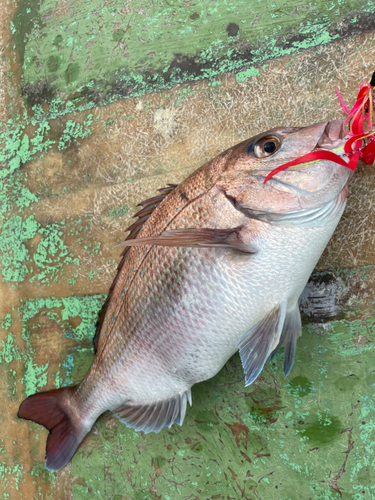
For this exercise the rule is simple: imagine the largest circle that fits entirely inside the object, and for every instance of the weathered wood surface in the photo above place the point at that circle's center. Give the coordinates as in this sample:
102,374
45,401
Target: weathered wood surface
73,170
96,50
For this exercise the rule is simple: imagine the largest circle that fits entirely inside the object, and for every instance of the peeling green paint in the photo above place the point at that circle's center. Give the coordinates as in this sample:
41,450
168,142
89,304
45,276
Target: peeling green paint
8,322
9,351
35,378
14,253
10,475
73,365
75,131
52,253
86,307
17,147
243,75
99,51
14,195
48,260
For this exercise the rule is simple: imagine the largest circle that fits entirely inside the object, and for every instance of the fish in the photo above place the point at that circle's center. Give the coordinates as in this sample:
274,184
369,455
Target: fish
213,265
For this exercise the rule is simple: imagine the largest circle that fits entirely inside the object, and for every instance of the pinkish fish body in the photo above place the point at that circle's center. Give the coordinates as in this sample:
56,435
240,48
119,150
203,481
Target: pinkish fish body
218,266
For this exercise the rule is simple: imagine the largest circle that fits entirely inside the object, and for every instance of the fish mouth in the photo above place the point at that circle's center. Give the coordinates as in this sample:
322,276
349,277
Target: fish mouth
333,136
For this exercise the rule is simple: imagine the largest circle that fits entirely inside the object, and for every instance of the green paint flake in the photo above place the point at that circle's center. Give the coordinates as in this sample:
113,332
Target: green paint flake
16,150
114,213
17,147
48,260
52,253
35,378
15,232
9,351
10,476
86,307
74,364
74,131
8,322
14,195
244,75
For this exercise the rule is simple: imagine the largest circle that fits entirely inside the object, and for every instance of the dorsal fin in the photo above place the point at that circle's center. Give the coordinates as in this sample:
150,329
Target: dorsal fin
148,206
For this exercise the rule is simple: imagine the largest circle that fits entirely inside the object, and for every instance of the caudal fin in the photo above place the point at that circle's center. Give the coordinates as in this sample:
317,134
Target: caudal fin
51,409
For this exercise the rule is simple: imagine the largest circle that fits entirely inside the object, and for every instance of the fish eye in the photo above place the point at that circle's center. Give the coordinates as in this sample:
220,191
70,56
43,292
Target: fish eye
267,146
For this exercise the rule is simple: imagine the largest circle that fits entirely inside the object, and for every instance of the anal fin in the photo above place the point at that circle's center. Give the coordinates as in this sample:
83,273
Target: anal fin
152,418
256,345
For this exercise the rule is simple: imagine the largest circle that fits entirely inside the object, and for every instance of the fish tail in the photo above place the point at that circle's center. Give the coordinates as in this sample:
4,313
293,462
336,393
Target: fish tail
54,410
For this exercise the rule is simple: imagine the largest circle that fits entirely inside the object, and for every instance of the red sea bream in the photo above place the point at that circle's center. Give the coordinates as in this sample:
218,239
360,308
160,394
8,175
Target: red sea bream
213,265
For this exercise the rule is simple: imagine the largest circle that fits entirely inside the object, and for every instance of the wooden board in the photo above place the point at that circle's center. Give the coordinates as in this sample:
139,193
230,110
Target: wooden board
76,162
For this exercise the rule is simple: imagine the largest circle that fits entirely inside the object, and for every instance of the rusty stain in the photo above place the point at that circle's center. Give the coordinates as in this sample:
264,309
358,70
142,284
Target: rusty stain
240,432
333,482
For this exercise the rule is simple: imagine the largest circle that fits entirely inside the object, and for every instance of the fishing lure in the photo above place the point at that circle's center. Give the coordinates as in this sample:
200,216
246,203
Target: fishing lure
360,128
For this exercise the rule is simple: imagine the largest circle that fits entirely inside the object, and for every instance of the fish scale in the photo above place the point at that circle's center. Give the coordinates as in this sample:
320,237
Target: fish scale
147,328
190,189
216,266
170,209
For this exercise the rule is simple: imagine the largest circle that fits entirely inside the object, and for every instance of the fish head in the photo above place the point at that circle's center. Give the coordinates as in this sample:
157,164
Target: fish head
305,186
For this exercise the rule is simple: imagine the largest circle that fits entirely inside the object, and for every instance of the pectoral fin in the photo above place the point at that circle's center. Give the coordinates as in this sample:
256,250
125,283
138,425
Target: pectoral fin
237,237
257,344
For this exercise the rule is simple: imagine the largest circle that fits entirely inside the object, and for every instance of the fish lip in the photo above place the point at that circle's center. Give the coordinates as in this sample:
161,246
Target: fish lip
333,136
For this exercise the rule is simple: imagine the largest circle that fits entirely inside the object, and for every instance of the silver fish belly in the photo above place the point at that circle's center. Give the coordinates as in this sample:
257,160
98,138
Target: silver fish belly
188,336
